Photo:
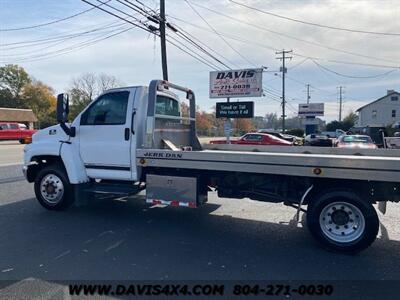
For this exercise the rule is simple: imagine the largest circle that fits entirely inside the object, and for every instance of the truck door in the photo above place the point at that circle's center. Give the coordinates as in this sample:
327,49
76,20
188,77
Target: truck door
105,136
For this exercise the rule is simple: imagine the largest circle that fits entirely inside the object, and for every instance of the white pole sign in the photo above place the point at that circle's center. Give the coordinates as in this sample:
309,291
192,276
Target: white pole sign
311,110
236,83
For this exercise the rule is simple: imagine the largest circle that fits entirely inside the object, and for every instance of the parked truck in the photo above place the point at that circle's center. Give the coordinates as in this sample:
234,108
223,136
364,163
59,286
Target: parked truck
135,138
333,134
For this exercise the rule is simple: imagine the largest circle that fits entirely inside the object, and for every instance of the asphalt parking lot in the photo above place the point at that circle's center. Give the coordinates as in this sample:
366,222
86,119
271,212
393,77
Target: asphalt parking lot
127,239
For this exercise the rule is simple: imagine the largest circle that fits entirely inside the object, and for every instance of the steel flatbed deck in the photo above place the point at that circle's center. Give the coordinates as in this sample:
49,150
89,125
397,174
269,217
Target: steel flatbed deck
356,167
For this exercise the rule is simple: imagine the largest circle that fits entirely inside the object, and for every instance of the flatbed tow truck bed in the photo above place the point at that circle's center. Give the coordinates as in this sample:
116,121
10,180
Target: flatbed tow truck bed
356,167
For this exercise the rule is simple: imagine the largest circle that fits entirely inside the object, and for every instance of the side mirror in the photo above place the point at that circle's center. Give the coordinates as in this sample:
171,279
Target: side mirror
62,108
62,114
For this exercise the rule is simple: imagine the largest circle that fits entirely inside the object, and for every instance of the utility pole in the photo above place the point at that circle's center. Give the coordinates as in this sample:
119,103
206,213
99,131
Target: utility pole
163,41
308,93
283,58
340,102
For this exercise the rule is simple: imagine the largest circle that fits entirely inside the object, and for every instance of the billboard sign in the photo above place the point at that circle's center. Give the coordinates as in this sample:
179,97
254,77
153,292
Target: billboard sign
236,83
311,110
235,109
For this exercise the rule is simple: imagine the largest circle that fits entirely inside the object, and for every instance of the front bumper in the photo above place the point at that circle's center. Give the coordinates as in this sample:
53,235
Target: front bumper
25,171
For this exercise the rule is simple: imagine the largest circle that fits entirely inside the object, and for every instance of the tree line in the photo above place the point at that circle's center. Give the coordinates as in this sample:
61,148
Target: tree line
18,89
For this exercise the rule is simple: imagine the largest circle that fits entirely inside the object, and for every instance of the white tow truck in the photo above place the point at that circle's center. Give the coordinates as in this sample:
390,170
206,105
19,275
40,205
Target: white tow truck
135,138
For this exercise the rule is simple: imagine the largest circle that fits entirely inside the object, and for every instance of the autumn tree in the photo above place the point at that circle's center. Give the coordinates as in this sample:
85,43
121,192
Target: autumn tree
204,123
40,98
242,126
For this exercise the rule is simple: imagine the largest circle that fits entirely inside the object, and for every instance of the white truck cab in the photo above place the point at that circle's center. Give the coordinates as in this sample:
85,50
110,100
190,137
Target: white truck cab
100,143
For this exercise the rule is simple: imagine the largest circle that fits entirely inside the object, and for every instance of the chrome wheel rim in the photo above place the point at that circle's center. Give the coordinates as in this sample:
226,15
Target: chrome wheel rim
51,189
342,222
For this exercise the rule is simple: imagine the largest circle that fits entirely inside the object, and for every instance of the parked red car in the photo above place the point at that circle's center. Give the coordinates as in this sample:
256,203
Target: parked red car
256,139
15,131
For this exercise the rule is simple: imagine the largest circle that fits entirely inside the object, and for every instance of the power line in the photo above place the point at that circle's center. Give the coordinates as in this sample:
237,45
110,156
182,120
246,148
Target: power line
146,28
50,23
191,37
30,43
142,26
299,64
71,48
191,41
216,32
314,24
353,76
199,57
134,7
305,41
61,41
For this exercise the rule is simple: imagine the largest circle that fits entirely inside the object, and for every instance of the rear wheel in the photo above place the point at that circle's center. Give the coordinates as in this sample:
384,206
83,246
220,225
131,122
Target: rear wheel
341,220
52,188
21,141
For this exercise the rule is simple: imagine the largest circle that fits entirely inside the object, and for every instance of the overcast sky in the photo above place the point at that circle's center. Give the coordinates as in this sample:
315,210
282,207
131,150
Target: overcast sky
250,40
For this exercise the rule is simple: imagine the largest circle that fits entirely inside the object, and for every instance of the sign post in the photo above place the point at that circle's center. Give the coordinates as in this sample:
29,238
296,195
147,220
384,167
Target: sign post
228,127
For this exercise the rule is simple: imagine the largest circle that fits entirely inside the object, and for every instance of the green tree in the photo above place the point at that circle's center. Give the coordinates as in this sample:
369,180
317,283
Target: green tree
13,78
345,125
350,120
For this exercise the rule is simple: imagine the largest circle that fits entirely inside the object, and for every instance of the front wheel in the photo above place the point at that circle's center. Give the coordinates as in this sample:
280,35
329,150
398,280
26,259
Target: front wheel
342,221
52,188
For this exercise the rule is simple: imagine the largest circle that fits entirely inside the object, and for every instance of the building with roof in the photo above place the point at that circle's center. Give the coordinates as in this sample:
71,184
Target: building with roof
384,111
25,116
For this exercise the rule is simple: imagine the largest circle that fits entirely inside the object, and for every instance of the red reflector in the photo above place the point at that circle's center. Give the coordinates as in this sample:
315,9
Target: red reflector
174,203
192,205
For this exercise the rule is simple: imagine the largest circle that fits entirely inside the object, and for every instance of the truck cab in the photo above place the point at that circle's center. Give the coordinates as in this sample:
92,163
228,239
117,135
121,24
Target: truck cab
100,144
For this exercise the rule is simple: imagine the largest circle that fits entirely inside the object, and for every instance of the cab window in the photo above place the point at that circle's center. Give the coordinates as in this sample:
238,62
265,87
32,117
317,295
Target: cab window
13,126
167,106
109,109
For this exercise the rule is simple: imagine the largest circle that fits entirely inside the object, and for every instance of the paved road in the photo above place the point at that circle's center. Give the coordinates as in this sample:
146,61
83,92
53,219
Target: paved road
126,239
11,153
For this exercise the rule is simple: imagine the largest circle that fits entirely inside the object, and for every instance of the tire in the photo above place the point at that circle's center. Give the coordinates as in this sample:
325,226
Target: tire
341,221
52,188
21,141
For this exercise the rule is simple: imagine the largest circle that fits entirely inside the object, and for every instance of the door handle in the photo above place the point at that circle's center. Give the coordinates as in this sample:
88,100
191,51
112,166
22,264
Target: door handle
133,121
127,132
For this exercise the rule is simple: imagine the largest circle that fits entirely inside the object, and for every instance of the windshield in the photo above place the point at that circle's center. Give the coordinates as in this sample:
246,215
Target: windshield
167,106
356,139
